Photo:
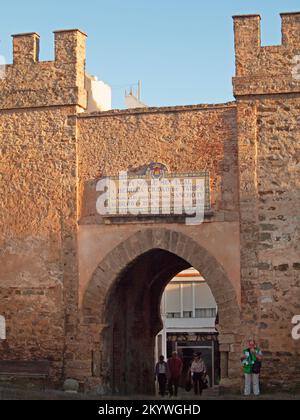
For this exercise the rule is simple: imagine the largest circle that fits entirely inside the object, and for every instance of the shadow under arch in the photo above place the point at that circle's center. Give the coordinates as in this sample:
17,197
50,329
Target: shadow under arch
123,298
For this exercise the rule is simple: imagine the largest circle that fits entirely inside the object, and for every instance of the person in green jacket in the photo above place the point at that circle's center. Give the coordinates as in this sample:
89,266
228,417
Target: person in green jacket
251,361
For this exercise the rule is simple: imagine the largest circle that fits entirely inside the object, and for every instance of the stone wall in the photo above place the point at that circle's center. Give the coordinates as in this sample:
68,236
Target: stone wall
268,103
186,139
38,211
30,83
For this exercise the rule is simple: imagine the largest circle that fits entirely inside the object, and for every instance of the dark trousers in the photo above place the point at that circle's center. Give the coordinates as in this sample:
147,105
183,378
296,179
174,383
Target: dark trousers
198,383
162,382
173,382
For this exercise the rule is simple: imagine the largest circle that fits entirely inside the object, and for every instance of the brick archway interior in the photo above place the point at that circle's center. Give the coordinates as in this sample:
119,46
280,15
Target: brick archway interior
124,297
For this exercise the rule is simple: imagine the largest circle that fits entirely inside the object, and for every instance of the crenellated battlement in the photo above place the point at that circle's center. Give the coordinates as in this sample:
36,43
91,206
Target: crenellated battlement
26,48
30,83
291,29
265,69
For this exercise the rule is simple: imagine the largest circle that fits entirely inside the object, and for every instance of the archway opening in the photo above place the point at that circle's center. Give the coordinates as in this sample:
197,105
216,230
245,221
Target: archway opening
189,314
121,308
133,312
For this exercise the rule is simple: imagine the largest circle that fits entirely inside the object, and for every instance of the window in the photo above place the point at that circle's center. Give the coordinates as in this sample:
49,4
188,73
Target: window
206,313
187,314
173,315
173,305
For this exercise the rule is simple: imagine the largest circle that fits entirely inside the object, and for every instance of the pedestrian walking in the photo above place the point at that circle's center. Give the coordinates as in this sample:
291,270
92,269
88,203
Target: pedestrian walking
198,373
161,374
174,372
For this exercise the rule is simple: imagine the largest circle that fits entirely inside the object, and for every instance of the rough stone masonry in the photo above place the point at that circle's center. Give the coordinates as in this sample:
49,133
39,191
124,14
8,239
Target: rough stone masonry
82,292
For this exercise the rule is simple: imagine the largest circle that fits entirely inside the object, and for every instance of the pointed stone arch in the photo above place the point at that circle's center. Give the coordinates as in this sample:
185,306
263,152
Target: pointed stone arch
102,287
175,242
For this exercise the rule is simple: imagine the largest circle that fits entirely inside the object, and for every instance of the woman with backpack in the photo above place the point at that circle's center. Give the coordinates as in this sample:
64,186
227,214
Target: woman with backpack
251,361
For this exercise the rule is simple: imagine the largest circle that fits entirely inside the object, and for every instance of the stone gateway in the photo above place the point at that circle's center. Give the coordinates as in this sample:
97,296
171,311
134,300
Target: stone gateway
82,291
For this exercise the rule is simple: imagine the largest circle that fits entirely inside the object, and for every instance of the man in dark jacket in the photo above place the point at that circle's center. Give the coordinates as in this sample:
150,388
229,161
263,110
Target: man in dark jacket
174,369
161,374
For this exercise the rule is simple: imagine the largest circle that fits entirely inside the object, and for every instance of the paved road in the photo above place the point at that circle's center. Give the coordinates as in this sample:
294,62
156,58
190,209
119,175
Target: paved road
19,394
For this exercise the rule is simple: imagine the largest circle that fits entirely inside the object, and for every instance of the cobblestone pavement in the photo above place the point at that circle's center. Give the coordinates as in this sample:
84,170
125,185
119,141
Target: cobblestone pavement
20,394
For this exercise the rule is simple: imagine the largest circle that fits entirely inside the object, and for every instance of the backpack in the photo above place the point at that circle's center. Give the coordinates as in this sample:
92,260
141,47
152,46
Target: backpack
256,367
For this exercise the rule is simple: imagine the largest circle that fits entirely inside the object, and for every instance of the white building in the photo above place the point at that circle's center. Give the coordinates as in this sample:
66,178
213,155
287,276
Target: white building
189,313
99,95
133,100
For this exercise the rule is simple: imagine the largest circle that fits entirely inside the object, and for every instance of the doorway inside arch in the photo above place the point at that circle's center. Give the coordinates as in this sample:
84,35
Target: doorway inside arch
190,315
133,313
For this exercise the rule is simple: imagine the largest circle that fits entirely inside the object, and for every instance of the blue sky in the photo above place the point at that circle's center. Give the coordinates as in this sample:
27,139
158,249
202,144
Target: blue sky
181,50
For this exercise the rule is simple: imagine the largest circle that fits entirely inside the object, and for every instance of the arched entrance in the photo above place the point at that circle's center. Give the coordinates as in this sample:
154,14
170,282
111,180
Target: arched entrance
124,296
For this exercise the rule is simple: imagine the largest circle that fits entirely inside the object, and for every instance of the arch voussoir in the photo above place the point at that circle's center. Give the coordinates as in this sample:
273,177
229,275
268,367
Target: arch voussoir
174,240
183,246
119,258
147,239
195,254
161,238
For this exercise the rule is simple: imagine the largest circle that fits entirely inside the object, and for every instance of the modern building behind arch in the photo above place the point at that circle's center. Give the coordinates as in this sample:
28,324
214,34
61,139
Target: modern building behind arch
189,315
